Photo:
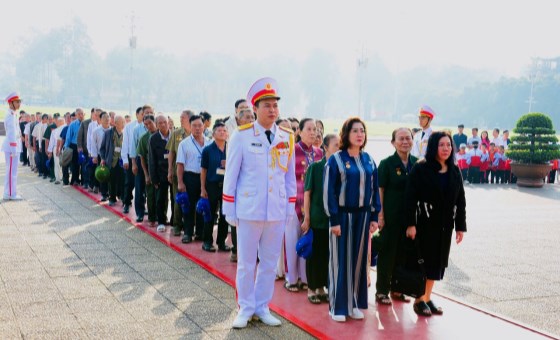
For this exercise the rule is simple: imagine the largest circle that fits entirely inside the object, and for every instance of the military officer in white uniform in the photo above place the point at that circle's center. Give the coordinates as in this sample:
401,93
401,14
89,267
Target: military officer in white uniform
420,142
258,197
12,146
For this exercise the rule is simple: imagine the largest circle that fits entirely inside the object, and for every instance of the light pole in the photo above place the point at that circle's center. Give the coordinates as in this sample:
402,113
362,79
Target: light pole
362,65
132,45
533,76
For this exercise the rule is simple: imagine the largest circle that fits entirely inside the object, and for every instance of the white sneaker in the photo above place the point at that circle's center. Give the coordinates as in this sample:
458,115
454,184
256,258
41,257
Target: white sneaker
161,228
338,318
269,319
356,314
16,198
6,198
240,322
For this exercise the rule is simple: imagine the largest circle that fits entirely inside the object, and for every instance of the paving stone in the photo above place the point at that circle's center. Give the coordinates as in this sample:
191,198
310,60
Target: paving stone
9,329
173,324
123,331
41,309
204,307
214,322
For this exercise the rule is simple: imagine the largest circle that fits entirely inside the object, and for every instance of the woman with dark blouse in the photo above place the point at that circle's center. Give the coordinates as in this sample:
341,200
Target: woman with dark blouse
435,205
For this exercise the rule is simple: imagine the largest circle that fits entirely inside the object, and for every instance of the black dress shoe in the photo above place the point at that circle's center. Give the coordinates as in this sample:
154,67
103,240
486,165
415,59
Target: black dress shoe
197,238
139,218
186,239
223,247
103,199
125,209
209,248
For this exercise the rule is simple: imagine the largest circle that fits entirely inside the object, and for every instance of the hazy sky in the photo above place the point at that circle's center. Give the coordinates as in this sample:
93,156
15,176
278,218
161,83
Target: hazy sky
495,34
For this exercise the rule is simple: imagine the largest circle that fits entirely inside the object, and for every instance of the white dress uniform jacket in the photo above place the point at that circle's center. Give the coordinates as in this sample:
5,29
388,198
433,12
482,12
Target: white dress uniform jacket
260,181
420,144
12,142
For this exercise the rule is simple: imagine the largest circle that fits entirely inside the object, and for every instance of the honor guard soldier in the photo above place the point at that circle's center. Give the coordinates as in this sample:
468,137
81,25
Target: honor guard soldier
258,197
420,142
12,147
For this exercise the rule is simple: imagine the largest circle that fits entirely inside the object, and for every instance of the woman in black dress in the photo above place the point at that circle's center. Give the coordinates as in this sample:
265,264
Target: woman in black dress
435,205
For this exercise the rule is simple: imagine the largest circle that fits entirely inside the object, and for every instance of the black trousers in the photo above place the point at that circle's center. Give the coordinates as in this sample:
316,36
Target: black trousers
23,156
43,160
139,189
116,183
192,183
162,199
317,265
128,184
474,174
74,166
552,176
85,170
215,190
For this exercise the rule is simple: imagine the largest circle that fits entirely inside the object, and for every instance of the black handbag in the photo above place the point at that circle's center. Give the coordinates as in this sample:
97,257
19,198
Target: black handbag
409,278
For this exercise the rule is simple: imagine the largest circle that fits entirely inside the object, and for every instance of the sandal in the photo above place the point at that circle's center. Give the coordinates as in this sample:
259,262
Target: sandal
383,299
399,297
422,309
434,309
291,288
302,285
314,299
324,297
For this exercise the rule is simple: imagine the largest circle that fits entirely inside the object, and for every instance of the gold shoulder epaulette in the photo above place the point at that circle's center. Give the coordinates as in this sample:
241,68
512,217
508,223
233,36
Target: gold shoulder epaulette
286,129
245,127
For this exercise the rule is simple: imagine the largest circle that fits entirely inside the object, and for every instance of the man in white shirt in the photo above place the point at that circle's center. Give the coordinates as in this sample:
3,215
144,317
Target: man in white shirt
27,133
189,156
128,146
94,124
497,140
95,146
52,150
475,138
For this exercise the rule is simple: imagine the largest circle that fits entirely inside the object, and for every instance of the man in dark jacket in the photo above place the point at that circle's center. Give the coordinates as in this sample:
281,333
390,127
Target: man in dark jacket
157,167
110,153
83,147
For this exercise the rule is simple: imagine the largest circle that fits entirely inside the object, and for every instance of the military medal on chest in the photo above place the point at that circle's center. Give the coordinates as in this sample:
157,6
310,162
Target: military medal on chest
347,165
399,171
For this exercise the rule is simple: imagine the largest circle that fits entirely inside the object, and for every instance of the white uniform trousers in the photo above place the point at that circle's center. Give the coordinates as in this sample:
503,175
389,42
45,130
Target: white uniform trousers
280,267
31,155
10,181
265,239
295,265
57,167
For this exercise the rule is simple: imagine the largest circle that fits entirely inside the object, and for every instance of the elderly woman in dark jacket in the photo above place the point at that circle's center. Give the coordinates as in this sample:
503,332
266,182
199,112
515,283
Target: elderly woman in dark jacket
435,205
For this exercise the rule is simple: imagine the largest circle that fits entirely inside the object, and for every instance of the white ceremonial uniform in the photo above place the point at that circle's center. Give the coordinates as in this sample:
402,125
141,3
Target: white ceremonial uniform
420,143
259,195
12,148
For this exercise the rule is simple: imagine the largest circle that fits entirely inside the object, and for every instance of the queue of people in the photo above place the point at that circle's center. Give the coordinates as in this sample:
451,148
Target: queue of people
269,181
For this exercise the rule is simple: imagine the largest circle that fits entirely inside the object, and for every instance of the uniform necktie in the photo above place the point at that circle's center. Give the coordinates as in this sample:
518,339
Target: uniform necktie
269,136
423,133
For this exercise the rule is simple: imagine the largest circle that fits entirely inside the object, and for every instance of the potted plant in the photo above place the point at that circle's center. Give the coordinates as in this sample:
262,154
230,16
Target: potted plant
534,146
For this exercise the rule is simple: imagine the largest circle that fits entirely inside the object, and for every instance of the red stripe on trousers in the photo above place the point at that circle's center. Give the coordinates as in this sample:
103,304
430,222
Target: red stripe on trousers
10,178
